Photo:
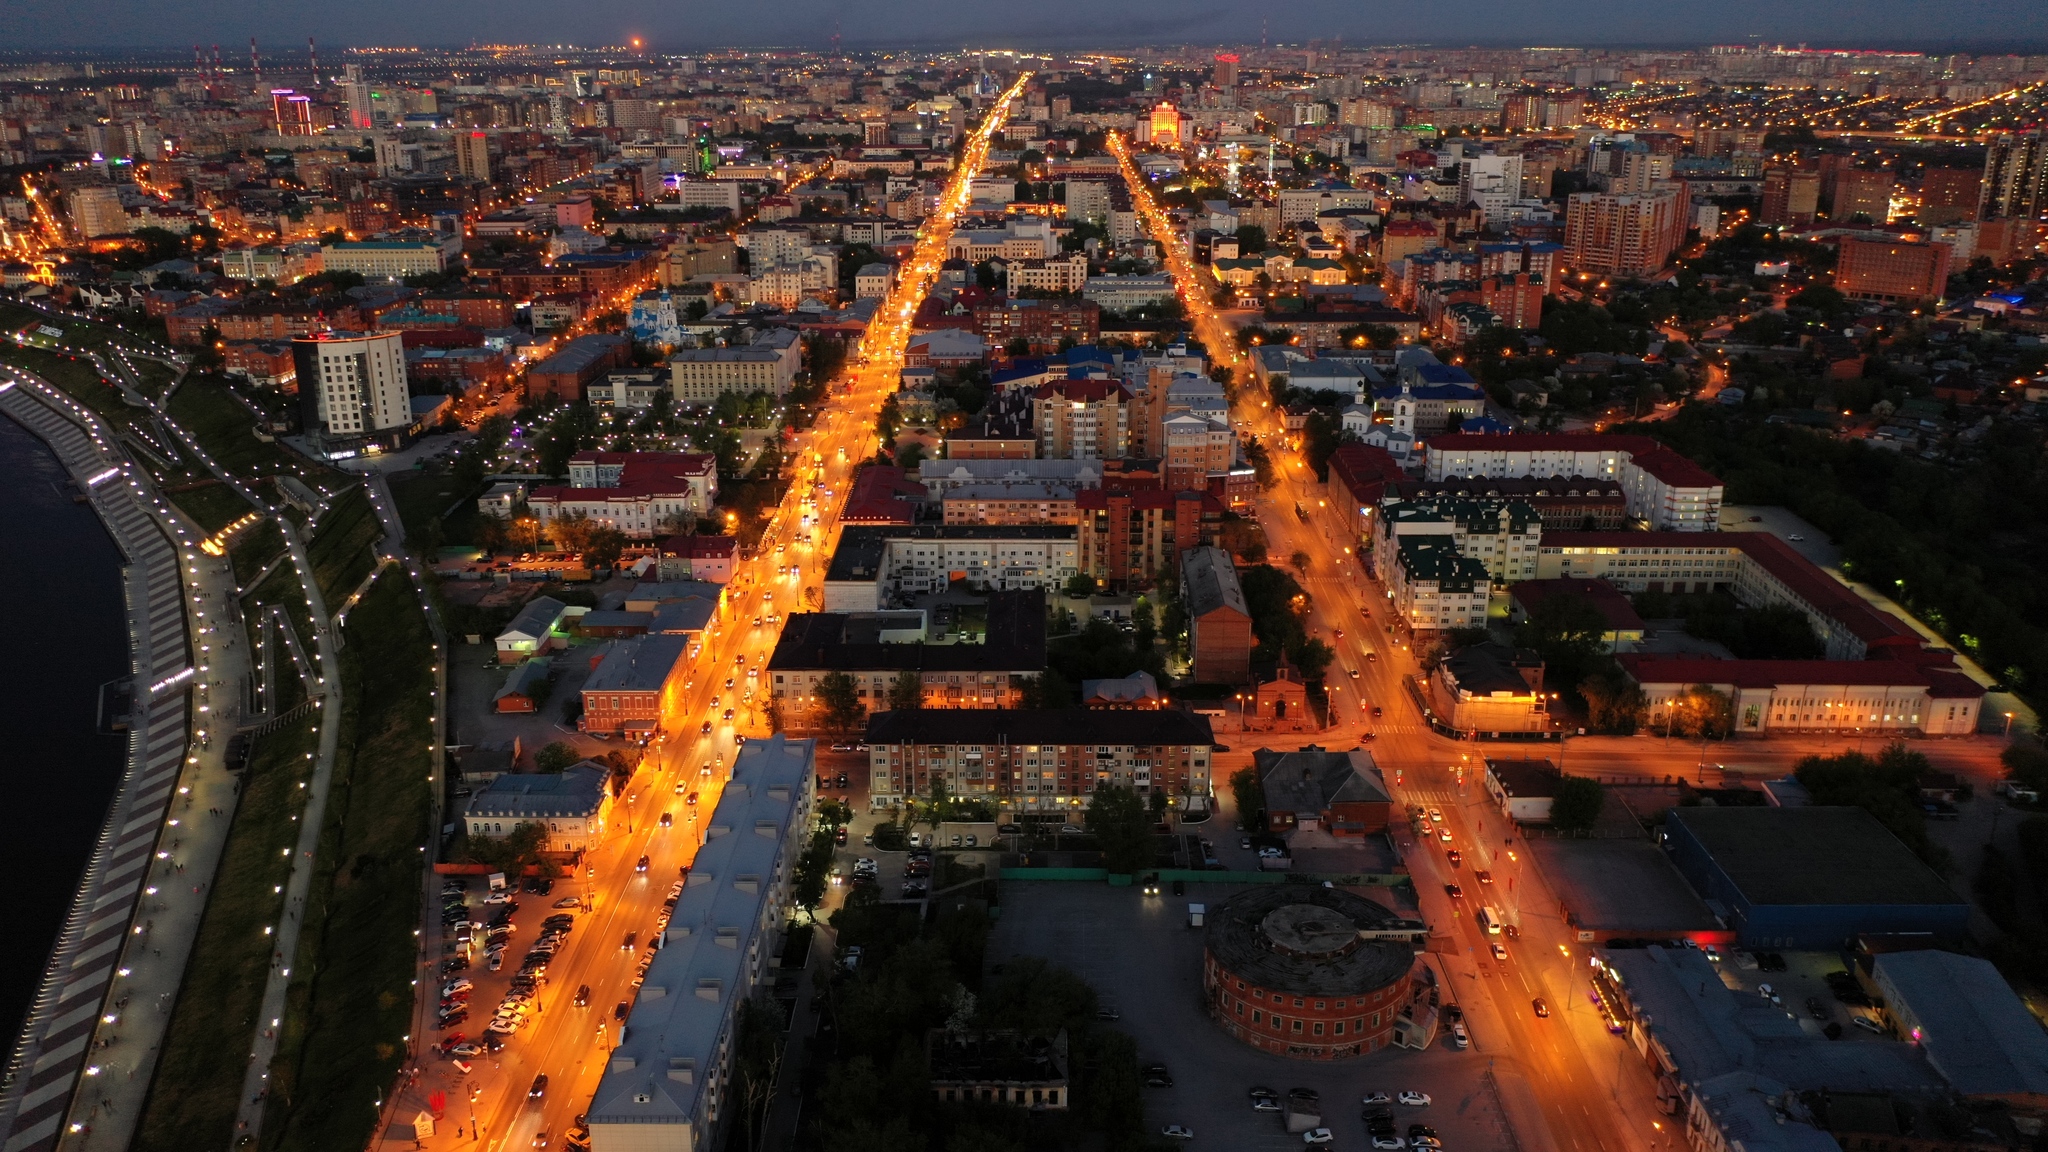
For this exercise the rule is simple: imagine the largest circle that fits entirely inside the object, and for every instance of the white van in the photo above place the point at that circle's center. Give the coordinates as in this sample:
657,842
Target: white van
1489,919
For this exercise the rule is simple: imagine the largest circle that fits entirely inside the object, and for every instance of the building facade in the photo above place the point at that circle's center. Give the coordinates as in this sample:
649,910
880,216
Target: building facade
1025,760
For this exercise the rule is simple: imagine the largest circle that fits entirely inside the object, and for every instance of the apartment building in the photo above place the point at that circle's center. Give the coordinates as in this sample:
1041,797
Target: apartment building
877,648
1058,274
699,376
1893,270
877,566
664,1083
1664,490
386,259
1503,535
1036,760
1434,587
1009,504
1612,234
1080,419
352,388
1128,537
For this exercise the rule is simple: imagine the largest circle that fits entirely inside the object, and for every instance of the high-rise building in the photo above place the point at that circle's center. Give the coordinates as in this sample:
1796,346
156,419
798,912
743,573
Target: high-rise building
1791,196
1892,269
473,154
1080,420
356,91
292,112
1226,70
1167,125
352,385
1522,111
1362,113
1492,182
2015,175
1624,235
1948,195
1861,192
96,211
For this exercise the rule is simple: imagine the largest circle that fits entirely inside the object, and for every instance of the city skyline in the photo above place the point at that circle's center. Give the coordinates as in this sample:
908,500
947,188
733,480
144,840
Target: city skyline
1876,24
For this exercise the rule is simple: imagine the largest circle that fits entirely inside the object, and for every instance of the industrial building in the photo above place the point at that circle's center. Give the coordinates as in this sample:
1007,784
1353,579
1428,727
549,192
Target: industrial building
1809,878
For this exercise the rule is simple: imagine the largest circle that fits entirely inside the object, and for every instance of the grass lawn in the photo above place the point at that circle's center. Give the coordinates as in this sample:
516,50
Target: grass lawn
254,548
77,333
226,428
351,999
213,505
281,587
340,550
424,496
74,376
198,1082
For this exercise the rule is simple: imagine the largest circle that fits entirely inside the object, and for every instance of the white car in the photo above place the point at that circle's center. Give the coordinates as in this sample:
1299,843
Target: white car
1377,1098
1177,1132
1389,1142
1317,1136
1415,1099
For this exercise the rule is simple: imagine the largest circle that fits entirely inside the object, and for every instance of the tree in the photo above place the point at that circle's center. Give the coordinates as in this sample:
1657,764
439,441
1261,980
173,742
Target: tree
1250,794
1251,240
906,692
807,883
556,757
1049,689
1300,561
1700,711
1120,823
571,532
602,552
1080,586
1887,786
1576,804
1613,704
839,695
1312,658
757,1064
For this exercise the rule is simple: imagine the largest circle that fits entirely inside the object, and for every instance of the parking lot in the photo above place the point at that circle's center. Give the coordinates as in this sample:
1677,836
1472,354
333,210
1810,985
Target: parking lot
1143,961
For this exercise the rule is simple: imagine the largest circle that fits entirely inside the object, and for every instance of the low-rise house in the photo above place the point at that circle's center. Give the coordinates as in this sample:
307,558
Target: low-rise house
570,804
537,628
1490,688
1314,790
637,682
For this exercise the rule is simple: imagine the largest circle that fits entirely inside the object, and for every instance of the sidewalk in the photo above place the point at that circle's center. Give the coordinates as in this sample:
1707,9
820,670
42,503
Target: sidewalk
130,1034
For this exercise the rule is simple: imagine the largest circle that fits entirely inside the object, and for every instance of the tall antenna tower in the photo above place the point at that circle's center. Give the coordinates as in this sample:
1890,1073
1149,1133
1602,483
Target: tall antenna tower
255,63
313,61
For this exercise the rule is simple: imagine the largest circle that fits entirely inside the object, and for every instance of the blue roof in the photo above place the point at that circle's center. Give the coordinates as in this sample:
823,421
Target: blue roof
1018,370
1430,392
1484,426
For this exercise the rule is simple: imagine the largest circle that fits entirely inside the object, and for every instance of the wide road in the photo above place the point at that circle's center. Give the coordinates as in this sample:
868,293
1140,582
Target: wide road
568,1043
1589,1095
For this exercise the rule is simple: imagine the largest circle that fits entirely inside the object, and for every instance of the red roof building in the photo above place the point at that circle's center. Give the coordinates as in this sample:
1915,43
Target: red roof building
642,494
705,558
883,495
1361,477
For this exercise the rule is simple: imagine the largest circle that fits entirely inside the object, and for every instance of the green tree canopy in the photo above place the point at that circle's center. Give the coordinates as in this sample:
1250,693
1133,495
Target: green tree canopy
906,692
1577,804
1122,825
839,695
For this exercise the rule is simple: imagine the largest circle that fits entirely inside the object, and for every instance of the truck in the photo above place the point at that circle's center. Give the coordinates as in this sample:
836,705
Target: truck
1196,912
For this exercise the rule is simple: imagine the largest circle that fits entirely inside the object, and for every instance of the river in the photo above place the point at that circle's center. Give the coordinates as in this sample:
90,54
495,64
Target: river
70,635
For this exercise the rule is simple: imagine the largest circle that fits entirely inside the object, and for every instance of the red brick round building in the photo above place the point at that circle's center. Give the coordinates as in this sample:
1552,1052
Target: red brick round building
1292,970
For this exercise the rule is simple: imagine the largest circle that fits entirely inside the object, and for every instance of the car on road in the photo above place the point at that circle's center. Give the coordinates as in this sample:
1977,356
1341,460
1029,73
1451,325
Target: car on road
1414,1099
1377,1098
1244,842
568,902
1317,1136
1377,712
1177,1132
1500,951
839,835
668,820
1542,1009
1388,1141
707,728
1453,891
1265,1104
540,1087
1483,876
632,940
1444,834
1354,673
1455,857
1108,1015
1436,816
640,865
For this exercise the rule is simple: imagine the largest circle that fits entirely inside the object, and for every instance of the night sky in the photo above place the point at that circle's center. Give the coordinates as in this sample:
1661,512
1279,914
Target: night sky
689,25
